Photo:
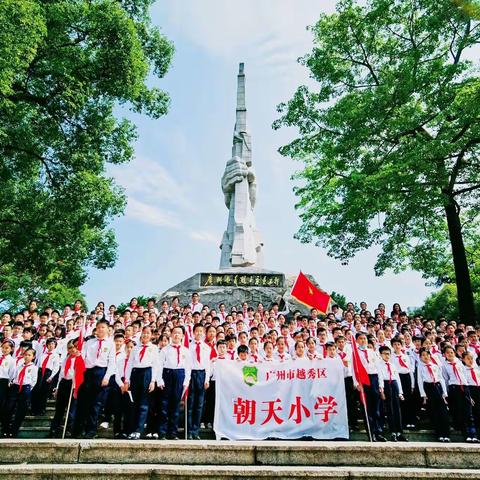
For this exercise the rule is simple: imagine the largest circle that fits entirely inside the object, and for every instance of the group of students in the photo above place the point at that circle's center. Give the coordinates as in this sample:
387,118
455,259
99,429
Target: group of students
136,367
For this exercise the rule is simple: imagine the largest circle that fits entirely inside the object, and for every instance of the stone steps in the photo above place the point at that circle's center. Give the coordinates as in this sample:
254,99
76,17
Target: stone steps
210,452
225,460
184,472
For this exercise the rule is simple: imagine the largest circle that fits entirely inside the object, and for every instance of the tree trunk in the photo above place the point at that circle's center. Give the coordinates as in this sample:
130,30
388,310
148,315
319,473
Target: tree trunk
466,306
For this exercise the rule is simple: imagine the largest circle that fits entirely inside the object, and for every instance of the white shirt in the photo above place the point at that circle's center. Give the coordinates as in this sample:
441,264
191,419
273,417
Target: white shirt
70,372
174,358
406,360
53,362
204,363
100,353
149,359
424,375
7,368
196,307
470,380
346,357
121,362
453,373
281,357
385,376
31,374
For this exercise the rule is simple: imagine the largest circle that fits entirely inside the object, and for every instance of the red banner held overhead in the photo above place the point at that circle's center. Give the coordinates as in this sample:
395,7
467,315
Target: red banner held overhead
310,295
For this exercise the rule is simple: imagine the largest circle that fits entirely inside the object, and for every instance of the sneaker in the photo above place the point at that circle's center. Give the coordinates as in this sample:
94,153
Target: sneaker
196,437
202,425
401,437
393,438
474,440
155,436
441,439
468,440
134,436
446,440
380,438
189,437
104,425
162,436
209,426
149,436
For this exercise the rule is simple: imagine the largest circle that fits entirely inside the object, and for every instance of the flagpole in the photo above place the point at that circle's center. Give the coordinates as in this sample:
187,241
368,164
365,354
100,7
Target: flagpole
68,411
185,408
364,402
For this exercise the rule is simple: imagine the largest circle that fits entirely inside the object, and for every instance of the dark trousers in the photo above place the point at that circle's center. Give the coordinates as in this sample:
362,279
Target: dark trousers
196,397
108,410
170,401
459,401
122,410
351,397
372,395
4,420
41,392
61,405
209,405
392,406
91,399
139,382
407,407
18,404
153,417
437,409
475,394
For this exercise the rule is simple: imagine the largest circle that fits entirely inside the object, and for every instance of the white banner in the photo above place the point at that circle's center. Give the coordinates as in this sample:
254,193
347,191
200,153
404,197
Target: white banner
286,400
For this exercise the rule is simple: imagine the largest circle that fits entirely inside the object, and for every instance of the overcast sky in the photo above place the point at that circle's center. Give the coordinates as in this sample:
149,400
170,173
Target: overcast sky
175,217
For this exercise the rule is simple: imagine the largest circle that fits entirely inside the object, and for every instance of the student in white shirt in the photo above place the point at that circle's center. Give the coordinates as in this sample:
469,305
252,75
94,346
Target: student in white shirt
434,393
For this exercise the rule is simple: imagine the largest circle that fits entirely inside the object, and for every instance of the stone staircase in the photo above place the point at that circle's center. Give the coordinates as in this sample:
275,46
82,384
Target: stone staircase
38,427
220,460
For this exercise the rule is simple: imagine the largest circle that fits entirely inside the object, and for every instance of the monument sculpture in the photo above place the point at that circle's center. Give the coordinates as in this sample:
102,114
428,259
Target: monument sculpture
241,244
241,276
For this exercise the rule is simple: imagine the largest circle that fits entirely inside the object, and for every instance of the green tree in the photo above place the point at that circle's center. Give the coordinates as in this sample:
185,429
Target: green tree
65,65
390,138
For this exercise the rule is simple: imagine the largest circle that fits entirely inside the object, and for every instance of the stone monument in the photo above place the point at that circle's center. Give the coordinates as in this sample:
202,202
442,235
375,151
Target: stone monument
241,277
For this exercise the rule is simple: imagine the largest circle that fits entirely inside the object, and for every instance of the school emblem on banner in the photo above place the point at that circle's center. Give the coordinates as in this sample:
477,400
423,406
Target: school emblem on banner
250,375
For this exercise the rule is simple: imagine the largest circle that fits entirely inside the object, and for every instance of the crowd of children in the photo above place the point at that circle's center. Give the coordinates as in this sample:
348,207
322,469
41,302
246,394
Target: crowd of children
139,364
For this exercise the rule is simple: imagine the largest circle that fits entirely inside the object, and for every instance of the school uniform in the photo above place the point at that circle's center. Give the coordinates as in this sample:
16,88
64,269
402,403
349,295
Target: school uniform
142,369
231,354
210,393
369,360
403,364
459,399
322,350
121,404
350,392
432,386
48,366
19,396
281,357
64,390
200,358
389,381
99,356
7,370
472,375
174,374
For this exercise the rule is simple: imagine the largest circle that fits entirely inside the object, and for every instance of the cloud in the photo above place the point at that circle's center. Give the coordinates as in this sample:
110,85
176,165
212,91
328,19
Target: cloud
150,214
204,236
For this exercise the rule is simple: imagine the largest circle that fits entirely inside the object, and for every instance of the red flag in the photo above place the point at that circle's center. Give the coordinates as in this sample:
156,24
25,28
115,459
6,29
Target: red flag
359,369
308,294
80,338
79,374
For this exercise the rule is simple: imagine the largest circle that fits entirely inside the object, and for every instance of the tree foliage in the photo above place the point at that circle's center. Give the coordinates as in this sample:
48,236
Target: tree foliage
390,137
64,66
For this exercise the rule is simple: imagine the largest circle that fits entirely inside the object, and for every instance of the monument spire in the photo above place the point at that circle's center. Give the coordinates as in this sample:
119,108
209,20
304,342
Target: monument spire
241,244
